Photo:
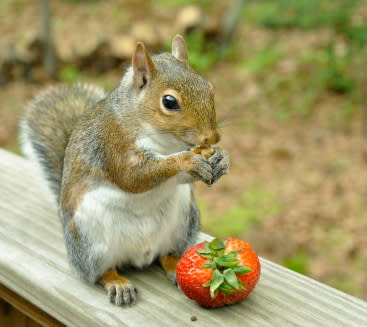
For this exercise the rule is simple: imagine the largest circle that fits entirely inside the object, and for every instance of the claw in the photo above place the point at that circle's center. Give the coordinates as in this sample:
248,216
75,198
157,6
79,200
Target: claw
216,157
121,292
220,164
119,289
118,298
202,170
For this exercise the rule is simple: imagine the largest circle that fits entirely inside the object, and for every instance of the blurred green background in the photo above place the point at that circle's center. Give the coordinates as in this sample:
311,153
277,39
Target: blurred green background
290,84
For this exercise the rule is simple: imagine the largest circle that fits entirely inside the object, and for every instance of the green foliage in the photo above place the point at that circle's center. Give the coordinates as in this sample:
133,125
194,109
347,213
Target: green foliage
179,3
324,68
344,114
298,13
318,71
344,284
337,78
70,74
299,262
295,95
262,60
225,267
202,54
87,2
357,34
16,5
256,204
119,15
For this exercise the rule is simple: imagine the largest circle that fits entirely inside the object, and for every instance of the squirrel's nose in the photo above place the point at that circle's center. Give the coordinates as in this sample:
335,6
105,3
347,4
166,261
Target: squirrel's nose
209,137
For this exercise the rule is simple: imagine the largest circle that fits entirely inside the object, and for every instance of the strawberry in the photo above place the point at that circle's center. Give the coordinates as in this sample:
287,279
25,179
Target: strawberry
218,273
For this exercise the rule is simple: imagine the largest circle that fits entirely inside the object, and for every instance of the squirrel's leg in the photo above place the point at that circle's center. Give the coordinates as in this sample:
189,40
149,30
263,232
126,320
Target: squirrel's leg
169,264
144,171
120,289
91,266
89,240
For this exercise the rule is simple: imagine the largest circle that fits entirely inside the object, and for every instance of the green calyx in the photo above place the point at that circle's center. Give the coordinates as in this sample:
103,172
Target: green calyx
225,266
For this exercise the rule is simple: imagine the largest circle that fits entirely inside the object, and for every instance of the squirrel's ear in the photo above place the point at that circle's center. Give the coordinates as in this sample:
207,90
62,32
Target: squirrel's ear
179,49
143,65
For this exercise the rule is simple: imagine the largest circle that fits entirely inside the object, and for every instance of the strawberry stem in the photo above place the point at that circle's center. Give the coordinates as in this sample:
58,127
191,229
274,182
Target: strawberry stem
225,268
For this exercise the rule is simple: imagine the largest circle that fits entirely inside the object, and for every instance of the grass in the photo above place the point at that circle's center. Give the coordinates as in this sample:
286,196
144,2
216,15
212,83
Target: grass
344,284
298,261
180,3
256,204
202,54
318,72
262,60
305,14
72,74
321,69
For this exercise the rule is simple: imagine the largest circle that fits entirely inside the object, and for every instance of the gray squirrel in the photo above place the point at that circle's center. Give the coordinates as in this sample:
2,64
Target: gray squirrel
121,165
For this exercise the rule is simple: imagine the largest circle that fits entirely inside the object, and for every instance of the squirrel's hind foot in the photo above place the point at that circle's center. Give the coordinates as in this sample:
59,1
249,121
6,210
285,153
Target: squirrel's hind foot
169,264
120,290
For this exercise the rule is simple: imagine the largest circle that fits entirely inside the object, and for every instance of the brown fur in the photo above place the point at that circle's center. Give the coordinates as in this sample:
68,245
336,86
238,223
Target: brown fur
73,230
75,193
50,119
197,112
84,140
112,276
169,263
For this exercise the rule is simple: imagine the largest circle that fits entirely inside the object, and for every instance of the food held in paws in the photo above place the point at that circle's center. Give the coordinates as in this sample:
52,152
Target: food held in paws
205,150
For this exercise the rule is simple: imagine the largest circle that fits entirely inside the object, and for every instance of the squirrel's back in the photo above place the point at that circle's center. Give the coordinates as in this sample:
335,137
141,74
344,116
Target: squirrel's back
48,123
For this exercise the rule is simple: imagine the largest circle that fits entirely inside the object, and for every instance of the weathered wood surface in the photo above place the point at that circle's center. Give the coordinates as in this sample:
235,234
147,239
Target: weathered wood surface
33,264
16,311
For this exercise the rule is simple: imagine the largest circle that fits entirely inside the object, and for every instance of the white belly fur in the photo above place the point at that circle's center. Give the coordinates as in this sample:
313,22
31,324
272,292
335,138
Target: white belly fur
133,229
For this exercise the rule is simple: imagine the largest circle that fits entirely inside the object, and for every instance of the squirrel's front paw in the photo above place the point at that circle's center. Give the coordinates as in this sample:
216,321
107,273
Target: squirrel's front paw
119,289
219,162
197,166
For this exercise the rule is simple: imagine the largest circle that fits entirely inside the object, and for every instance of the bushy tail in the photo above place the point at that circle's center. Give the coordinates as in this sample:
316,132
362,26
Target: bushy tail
48,122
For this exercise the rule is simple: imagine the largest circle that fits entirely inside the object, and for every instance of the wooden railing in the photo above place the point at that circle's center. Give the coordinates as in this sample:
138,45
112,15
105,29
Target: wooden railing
36,279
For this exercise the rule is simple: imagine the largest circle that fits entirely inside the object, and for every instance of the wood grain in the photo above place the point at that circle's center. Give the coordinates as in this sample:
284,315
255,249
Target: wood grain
33,264
26,314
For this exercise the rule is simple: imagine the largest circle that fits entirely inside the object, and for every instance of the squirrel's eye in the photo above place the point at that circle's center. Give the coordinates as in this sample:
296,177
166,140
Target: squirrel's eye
170,102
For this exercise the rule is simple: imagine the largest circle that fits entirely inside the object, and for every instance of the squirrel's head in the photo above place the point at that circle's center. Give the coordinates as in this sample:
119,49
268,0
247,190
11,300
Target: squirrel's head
174,99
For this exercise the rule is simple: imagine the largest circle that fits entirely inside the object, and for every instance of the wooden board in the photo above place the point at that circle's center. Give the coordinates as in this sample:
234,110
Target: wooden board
15,311
33,264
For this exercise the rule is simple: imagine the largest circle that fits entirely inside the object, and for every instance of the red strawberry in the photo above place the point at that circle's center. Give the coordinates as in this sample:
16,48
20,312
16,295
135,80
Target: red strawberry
218,273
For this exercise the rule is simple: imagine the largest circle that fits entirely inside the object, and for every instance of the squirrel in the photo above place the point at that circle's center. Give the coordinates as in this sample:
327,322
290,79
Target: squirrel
121,167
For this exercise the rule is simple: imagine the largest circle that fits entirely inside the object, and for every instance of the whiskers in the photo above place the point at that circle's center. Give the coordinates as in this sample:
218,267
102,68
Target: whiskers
183,132
168,140
227,122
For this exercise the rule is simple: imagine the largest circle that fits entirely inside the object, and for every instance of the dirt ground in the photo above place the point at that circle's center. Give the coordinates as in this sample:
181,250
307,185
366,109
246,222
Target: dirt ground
305,178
